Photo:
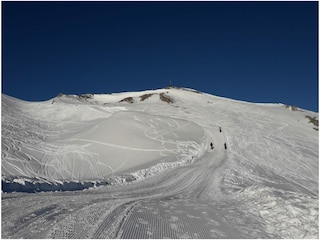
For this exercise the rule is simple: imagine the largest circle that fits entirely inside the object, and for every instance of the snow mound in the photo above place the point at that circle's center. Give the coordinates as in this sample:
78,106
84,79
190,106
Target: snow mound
87,146
287,214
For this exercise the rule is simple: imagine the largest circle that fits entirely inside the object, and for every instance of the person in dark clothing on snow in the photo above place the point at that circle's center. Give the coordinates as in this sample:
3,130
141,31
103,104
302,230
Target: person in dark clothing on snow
225,146
220,129
211,145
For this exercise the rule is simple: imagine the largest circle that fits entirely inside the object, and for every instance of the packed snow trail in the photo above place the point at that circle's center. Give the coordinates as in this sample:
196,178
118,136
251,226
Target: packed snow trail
182,212
169,205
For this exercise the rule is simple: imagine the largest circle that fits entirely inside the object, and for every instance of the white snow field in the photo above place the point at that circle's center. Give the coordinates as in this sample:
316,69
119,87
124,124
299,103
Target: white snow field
145,167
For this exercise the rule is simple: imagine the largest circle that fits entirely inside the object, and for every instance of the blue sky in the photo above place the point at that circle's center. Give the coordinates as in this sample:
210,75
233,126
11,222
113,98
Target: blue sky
252,51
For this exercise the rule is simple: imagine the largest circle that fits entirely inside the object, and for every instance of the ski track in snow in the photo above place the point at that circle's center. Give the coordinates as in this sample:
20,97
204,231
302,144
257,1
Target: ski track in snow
203,193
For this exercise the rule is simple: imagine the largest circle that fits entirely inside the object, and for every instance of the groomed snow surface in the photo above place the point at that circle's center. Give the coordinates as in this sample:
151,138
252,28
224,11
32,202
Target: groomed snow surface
143,167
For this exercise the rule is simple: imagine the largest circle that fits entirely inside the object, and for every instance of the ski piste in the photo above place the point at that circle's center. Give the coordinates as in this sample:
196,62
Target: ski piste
151,170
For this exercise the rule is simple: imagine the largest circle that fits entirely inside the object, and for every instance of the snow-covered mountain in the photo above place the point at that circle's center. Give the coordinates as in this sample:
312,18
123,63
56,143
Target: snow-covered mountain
151,150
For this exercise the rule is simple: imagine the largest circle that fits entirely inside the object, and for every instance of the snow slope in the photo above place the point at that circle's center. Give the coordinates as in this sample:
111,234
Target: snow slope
264,185
60,140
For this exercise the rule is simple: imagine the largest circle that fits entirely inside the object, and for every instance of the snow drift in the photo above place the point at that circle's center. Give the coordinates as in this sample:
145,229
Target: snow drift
79,148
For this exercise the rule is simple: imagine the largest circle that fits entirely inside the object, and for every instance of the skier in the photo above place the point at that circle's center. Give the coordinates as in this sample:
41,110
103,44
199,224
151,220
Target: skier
225,146
211,145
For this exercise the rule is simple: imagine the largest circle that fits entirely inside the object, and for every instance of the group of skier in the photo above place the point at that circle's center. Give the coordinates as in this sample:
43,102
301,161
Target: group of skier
225,144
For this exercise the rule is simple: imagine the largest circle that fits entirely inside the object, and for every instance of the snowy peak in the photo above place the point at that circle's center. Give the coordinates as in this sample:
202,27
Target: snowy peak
84,134
127,97
175,147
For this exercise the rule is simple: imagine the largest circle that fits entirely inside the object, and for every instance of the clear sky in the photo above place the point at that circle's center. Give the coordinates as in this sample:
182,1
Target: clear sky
252,51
